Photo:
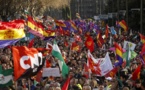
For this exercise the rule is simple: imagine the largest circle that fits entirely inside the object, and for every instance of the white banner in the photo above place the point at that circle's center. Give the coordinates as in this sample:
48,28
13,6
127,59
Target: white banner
51,72
106,65
131,45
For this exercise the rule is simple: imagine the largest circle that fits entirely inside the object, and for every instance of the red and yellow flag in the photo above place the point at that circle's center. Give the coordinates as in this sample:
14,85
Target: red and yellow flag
107,31
123,24
60,23
112,73
100,40
90,43
94,67
12,30
136,73
119,54
75,47
142,38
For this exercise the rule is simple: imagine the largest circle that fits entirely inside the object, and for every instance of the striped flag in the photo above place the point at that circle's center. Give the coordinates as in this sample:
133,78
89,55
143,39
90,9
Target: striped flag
107,31
123,24
5,77
36,28
11,32
119,54
142,38
100,40
57,53
60,23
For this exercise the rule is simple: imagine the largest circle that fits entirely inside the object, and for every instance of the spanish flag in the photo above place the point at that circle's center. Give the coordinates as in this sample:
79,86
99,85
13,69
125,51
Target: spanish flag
123,24
142,38
100,40
119,54
60,23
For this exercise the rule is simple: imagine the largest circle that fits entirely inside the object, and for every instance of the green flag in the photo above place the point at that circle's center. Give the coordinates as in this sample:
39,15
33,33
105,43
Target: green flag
129,55
56,53
5,77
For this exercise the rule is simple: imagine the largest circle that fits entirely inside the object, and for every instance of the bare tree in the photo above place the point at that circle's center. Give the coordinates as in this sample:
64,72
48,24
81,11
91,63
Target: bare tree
34,7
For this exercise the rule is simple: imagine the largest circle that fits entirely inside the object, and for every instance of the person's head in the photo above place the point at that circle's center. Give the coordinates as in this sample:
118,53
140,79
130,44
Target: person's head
138,83
101,87
57,88
51,88
125,88
46,87
87,87
108,80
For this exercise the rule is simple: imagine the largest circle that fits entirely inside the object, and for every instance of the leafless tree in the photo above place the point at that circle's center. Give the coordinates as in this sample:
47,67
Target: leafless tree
34,7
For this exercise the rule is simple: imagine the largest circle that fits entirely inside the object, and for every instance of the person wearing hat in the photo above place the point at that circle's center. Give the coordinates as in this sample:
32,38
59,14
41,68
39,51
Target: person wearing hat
108,83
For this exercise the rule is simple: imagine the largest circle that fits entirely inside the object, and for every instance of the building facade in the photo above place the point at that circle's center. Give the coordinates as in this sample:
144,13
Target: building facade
86,8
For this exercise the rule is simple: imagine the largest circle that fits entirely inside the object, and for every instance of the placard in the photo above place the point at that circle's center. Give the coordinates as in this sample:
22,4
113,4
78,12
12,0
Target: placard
51,72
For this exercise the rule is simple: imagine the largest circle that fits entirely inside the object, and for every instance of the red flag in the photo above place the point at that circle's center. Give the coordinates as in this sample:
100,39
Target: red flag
66,84
143,49
60,31
67,32
75,47
136,73
142,38
106,31
100,40
31,43
25,60
112,72
66,43
77,38
95,67
44,51
90,43
86,68
39,76
47,63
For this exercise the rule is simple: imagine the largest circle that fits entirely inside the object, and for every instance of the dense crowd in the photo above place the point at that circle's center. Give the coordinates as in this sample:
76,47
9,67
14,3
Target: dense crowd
81,80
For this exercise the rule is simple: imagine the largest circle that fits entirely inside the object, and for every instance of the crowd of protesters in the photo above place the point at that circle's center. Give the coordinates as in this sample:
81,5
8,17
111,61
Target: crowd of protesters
81,80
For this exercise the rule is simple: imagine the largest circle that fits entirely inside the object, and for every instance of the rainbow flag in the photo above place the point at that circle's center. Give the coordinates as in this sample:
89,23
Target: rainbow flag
123,24
11,32
119,54
142,38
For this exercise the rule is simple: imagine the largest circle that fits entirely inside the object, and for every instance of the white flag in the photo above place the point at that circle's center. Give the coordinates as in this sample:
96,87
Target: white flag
131,45
106,65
